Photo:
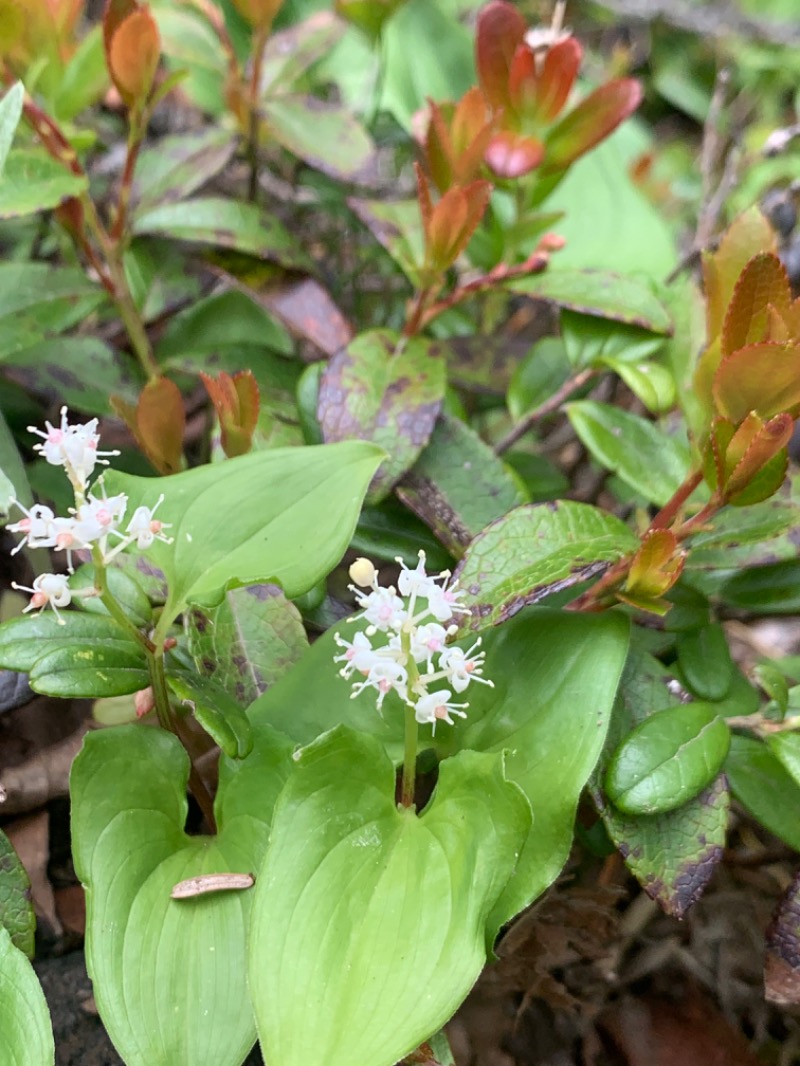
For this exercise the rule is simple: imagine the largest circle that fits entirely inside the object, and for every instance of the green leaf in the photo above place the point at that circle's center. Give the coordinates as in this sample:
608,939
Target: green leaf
10,114
169,975
217,712
787,748
82,371
285,515
486,363
248,642
747,537
601,293
337,829
223,223
556,675
24,1018
541,373
179,166
386,389
122,586
458,485
762,784
650,382
85,77
591,341
534,551
320,132
667,759
16,908
197,338
90,670
33,181
27,638
705,661
773,589
390,530
190,43
37,300
397,225
643,456
13,479
289,53
672,854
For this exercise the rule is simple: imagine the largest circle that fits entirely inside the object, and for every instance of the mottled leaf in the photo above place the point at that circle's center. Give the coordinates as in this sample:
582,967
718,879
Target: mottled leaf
248,642
458,485
223,223
386,389
178,166
672,855
484,363
534,551
16,908
596,292
33,181
644,457
322,133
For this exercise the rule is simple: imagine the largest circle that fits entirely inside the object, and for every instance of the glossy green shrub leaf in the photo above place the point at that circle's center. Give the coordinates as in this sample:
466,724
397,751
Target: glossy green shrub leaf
749,537
705,661
642,455
771,589
322,133
27,638
667,759
390,529
652,383
128,790
248,642
24,1018
10,114
122,586
787,748
217,712
222,223
624,299
37,300
760,782
592,341
556,675
544,369
338,892
16,908
534,551
179,166
199,337
458,485
110,668
286,516
386,389
672,854
33,181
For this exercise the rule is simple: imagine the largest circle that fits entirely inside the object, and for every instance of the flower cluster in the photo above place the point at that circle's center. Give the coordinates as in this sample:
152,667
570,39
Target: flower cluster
415,620
95,522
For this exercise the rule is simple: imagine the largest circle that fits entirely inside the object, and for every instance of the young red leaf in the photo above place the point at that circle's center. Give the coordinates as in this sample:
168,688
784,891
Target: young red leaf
748,235
501,29
259,13
522,83
236,402
160,423
755,445
762,282
764,378
453,221
510,155
438,149
133,54
560,69
591,122
655,567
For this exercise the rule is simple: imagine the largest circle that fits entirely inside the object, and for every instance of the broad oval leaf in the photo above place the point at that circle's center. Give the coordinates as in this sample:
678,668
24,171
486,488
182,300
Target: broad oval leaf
761,783
322,133
128,788
386,389
179,166
33,182
787,748
26,639
705,661
601,293
667,759
339,893
534,551
284,515
24,1017
91,670
650,462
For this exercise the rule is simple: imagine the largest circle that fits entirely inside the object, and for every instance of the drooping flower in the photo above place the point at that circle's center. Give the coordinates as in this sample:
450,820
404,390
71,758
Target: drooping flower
48,590
436,707
38,525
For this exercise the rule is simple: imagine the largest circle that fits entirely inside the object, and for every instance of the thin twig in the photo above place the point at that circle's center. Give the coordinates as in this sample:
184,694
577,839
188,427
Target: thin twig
550,406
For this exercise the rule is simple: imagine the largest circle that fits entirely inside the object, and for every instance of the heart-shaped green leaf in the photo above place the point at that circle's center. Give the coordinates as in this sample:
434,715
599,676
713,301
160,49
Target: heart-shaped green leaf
24,1018
555,675
534,551
169,975
369,922
285,515
667,759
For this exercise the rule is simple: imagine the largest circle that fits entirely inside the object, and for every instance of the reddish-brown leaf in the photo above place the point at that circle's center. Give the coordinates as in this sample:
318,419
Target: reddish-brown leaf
501,29
510,155
453,221
133,56
258,13
560,69
656,566
752,447
748,235
160,423
762,282
438,149
591,122
115,13
523,82
236,401
764,378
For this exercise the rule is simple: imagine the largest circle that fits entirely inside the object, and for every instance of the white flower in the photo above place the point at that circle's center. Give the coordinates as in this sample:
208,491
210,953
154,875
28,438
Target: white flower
382,608
144,528
460,667
358,656
436,707
38,525
48,590
385,675
96,518
427,641
73,447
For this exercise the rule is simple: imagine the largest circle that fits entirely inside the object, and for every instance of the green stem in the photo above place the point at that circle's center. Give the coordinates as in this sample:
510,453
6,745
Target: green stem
411,731
111,604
